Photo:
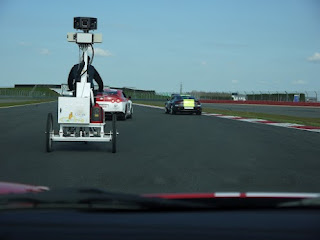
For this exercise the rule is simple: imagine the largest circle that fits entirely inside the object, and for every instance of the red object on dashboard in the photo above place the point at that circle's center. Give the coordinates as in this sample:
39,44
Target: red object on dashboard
8,188
232,195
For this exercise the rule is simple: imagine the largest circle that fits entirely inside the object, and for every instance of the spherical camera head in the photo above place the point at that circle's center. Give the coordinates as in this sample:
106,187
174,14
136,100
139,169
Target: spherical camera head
85,23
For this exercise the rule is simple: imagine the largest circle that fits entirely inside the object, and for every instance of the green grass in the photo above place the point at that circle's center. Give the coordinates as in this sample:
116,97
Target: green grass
28,95
29,91
265,116
24,102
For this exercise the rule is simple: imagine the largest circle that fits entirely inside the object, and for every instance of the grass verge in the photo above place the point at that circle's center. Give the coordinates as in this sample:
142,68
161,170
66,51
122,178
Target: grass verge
43,92
265,116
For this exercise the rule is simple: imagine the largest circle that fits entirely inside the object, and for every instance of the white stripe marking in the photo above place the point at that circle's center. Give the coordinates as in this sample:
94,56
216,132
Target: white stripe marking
302,195
312,130
151,106
225,116
250,119
212,114
226,194
285,124
27,104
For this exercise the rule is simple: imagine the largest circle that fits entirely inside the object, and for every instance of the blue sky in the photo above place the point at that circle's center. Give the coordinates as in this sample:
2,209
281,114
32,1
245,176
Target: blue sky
208,45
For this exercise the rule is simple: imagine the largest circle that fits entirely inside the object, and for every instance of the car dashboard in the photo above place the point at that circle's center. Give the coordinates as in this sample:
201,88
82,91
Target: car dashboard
216,224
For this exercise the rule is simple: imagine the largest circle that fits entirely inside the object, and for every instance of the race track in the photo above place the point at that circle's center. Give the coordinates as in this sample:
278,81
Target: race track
162,153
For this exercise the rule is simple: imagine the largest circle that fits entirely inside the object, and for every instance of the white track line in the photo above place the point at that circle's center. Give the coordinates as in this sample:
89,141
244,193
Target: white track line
27,104
151,106
285,124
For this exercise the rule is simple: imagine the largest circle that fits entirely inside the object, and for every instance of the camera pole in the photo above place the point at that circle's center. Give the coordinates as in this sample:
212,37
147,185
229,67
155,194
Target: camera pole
84,73
84,39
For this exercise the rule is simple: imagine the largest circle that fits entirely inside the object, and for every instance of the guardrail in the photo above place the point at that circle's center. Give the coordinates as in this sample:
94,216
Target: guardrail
285,96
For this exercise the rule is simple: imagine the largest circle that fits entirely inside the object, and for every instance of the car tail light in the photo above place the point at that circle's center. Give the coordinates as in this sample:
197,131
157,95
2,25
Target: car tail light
116,100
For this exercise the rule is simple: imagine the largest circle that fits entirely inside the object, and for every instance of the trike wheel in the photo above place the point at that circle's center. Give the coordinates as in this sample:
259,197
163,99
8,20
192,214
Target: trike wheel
172,112
114,133
49,131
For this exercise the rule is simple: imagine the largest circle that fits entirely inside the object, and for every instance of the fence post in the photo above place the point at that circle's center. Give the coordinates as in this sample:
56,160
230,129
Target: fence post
306,97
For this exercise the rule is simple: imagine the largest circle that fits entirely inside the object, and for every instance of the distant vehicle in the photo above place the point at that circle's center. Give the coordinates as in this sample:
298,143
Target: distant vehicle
115,101
183,103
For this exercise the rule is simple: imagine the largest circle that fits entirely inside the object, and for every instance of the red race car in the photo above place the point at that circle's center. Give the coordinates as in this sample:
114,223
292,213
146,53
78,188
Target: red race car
115,101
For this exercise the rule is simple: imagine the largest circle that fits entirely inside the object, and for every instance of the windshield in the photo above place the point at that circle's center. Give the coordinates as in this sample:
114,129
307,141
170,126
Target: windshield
186,97
250,70
110,93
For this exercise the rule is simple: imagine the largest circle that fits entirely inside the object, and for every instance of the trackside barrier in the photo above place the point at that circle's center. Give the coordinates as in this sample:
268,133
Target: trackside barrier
313,104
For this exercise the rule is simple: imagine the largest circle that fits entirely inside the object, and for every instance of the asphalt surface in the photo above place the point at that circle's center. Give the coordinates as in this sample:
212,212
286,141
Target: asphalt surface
309,112
160,153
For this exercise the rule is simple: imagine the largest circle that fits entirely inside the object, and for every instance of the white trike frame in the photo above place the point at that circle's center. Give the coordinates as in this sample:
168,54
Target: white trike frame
82,131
